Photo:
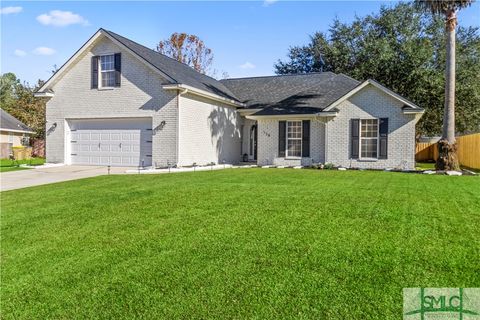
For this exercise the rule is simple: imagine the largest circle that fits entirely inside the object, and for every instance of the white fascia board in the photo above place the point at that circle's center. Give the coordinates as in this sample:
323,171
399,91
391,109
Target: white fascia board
293,116
43,94
376,85
202,93
413,111
86,46
247,112
17,131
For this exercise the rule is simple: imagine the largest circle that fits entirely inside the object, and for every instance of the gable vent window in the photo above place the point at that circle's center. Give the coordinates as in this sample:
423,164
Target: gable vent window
369,138
107,71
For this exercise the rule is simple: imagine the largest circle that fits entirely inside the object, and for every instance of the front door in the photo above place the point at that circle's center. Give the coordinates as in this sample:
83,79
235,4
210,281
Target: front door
253,141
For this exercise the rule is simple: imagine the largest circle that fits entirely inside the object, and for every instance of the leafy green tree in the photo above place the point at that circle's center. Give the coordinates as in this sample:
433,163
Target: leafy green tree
18,100
403,48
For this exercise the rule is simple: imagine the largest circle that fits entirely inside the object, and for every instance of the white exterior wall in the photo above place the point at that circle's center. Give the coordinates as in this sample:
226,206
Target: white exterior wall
268,144
16,137
140,95
372,103
208,132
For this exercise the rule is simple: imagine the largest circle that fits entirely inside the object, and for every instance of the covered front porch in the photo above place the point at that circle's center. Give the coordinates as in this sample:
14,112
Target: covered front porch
249,141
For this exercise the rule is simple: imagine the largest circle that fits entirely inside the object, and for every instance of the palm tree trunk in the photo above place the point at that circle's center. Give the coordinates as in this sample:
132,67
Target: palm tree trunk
447,159
449,116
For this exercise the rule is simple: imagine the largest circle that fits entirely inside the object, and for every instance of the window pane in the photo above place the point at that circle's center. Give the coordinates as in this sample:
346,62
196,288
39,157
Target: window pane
107,63
108,79
369,148
294,129
294,148
369,128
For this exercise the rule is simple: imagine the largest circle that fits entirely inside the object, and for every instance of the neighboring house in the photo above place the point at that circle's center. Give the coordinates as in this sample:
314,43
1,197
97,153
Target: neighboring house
12,130
116,102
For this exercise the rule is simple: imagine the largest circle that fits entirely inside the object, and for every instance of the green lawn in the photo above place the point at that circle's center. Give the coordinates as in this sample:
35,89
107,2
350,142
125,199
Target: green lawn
238,243
425,165
13,165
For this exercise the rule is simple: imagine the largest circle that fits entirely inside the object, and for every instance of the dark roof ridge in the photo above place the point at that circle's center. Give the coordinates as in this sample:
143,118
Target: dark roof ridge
280,75
347,76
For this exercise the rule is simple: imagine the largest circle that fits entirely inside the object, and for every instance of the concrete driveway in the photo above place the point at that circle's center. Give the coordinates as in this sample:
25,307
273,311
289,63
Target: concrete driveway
35,177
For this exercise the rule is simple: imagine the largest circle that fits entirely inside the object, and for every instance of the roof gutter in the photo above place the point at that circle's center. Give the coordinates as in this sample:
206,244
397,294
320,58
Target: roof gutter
43,94
14,130
413,111
293,116
201,93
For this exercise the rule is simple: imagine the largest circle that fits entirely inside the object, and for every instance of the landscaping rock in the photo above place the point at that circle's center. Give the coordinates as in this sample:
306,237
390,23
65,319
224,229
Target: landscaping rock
298,167
468,172
429,172
453,173
342,169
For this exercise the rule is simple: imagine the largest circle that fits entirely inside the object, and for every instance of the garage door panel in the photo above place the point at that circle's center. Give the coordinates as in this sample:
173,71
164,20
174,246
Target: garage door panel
116,160
111,142
84,147
95,160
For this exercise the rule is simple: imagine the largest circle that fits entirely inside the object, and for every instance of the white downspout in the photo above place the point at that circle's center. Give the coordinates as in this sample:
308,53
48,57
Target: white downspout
326,141
181,92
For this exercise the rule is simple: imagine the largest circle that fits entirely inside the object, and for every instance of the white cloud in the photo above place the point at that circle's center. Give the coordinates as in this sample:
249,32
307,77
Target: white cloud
19,53
267,3
59,18
44,51
9,10
247,65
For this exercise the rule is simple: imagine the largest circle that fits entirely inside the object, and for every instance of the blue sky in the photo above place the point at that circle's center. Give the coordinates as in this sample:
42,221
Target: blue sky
247,38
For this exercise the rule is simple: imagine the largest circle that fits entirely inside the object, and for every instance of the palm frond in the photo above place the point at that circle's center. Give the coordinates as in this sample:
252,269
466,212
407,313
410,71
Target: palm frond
442,6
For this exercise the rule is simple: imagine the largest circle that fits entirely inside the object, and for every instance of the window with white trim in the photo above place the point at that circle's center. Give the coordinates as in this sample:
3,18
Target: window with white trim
294,139
369,138
10,137
107,71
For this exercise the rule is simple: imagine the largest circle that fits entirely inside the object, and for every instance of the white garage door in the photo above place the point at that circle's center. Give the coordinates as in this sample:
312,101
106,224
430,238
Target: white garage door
115,142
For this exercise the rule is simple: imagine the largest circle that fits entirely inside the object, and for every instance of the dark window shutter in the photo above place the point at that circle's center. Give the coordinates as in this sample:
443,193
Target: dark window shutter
383,139
354,138
94,72
118,69
306,138
282,131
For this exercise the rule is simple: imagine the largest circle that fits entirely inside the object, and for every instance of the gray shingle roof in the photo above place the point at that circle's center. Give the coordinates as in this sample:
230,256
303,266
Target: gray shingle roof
283,94
9,122
291,94
179,72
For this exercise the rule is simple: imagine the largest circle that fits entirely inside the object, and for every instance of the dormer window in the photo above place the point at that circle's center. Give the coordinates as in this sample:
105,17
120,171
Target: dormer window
107,71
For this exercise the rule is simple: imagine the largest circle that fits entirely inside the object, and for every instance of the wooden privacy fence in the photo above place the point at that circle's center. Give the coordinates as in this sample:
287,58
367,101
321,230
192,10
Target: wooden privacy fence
468,151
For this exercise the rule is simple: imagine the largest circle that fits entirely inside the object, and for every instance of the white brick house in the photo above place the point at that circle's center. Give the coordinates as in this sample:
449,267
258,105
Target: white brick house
118,103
